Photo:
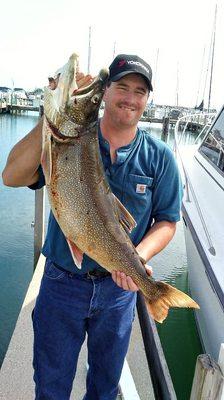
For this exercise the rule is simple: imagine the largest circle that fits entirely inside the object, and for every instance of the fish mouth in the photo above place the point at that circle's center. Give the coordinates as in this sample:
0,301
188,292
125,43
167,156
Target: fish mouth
73,110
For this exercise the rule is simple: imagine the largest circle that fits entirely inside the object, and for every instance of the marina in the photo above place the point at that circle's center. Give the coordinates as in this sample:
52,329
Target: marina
11,102
182,43
173,271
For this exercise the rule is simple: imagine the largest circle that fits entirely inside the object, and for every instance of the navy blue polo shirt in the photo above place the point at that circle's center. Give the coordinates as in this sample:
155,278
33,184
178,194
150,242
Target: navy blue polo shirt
146,180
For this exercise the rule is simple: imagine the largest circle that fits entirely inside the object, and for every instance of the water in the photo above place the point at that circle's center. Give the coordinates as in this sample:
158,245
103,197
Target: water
16,234
178,333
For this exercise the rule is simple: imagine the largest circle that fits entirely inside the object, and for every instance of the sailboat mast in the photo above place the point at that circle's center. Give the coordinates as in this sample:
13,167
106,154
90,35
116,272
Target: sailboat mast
155,76
114,50
200,78
213,49
89,51
177,88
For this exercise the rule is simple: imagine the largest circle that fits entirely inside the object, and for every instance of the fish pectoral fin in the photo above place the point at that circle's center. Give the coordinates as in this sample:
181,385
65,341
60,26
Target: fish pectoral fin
170,297
76,253
46,160
125,218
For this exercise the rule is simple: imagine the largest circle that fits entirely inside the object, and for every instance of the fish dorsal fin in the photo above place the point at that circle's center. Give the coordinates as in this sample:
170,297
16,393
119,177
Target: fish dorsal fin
125,218
76,254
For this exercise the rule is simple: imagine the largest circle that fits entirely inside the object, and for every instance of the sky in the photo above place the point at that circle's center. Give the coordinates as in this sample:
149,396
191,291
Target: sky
174,37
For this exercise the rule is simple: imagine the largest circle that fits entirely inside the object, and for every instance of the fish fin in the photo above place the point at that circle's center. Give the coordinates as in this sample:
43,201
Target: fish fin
46,160
171,297
67,81
125,218
76,253
51,110
55,101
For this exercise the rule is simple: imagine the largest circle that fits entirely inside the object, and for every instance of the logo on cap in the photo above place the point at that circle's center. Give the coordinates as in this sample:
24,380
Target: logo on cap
121,63
139,64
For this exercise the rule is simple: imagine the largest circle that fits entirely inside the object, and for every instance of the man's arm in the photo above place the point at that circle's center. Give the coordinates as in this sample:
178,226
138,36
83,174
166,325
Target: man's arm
24,159
155,240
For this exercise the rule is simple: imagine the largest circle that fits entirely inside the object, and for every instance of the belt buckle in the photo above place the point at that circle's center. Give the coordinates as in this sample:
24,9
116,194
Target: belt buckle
91,274
96,274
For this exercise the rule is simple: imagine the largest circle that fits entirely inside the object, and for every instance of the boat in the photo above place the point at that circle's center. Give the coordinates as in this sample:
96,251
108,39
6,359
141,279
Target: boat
202,167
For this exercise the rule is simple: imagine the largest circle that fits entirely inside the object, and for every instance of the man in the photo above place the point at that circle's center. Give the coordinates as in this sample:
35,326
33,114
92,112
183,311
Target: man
142,173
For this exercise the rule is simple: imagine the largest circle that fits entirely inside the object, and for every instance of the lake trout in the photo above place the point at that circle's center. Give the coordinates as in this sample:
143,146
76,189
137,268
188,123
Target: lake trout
91,217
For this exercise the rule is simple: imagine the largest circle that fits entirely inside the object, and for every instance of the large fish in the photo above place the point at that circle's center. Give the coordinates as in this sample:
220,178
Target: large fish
92,219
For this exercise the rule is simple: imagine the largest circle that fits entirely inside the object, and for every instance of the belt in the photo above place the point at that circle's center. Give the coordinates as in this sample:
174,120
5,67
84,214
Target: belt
94,273
97,274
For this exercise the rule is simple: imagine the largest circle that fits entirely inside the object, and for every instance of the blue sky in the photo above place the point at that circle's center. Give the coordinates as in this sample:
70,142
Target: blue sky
37,37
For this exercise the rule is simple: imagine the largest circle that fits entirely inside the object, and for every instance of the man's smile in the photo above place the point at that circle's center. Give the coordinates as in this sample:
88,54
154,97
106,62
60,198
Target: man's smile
125,107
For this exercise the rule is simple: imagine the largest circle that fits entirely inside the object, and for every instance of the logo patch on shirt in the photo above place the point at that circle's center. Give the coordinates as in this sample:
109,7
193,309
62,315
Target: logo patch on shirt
141,188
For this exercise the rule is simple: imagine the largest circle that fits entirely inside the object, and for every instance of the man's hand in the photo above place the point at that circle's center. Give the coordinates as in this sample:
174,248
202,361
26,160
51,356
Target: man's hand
83,80
126,282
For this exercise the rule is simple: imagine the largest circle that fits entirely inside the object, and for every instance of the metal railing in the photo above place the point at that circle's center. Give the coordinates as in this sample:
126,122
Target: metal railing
159,372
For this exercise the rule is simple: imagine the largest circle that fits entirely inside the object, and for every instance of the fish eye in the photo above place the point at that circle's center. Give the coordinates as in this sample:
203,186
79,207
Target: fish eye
95,99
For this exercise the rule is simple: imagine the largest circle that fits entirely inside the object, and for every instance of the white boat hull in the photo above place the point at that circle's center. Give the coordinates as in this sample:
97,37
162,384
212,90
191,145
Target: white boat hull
202,168
210,317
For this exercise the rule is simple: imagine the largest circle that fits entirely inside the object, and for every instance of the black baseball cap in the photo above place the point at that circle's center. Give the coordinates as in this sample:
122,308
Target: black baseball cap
125,64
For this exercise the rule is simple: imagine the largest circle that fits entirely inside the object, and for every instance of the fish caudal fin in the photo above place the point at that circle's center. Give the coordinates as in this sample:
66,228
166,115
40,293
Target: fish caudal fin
171,297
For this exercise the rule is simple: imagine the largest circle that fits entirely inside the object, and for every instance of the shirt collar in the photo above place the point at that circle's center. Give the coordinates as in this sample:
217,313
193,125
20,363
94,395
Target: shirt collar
122,152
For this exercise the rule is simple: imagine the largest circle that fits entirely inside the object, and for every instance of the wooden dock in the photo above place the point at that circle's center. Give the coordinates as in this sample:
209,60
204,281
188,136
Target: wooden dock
14,105
14,108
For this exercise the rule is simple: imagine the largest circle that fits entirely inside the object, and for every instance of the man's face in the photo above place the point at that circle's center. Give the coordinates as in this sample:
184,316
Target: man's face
125,100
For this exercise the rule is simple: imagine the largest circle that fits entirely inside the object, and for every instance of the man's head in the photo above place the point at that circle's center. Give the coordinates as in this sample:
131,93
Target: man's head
125,64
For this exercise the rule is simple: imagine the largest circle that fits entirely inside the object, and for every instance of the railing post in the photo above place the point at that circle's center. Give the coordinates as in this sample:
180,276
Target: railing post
165,129
38,223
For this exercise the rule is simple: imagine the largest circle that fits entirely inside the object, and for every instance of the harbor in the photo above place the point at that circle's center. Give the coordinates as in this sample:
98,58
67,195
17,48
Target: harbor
170,265
18,101
166,115
181,358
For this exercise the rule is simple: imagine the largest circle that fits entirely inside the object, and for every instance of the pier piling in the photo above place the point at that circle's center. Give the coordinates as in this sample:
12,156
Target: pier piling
165,129
208,380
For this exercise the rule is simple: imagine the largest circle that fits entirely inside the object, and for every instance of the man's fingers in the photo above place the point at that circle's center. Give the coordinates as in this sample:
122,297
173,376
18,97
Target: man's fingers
124,281
131,284
79,75
83,80
116,277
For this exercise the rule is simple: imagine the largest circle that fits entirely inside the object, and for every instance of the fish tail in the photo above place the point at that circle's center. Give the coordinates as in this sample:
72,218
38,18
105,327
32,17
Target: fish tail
170,297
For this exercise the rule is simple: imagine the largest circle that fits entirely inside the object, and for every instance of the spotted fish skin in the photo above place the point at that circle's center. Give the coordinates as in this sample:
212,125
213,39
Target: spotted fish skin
92,219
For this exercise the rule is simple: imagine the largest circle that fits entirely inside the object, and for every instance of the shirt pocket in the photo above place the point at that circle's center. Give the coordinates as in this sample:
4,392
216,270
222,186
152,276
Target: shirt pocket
138,194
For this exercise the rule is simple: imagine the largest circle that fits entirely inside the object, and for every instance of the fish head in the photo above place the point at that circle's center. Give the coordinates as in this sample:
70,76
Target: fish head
69,109
83,106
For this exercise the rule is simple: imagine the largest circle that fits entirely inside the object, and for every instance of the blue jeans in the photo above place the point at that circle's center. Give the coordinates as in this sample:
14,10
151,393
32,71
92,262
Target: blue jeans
69,306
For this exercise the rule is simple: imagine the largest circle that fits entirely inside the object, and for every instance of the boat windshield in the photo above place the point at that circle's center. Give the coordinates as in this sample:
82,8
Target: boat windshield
212,146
